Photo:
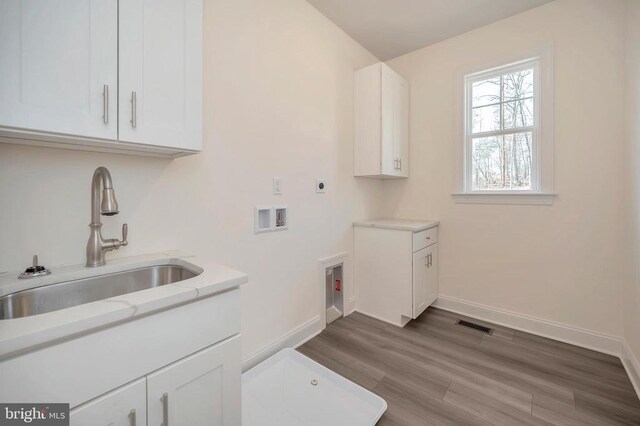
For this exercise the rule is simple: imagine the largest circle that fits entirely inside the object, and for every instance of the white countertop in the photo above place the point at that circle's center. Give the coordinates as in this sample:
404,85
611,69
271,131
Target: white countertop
401,224
23,334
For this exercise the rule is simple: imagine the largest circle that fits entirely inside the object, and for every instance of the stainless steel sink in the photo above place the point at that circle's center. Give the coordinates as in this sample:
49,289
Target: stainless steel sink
63,295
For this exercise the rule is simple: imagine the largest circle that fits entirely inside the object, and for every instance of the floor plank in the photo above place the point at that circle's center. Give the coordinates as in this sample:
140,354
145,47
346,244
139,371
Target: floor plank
434,371
488,408
421,405
559,413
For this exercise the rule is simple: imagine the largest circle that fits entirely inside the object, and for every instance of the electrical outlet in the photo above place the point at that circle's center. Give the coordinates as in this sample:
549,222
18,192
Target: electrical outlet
277,186
321,186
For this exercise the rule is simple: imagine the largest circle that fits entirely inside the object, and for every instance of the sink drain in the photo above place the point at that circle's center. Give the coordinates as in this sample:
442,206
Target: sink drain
314,382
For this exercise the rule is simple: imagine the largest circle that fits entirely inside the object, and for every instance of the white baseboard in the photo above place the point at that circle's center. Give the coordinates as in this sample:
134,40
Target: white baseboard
632,365
377,317
553,330
352,307
293,339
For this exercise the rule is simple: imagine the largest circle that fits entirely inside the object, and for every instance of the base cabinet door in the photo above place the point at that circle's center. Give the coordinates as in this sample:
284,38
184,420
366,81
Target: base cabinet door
432,274
425,278
420,282
125,406
200,390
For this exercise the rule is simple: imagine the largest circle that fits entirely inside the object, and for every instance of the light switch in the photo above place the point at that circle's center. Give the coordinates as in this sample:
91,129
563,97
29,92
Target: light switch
277,186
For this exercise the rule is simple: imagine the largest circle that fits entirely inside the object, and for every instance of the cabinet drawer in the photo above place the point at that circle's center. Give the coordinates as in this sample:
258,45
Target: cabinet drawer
425,238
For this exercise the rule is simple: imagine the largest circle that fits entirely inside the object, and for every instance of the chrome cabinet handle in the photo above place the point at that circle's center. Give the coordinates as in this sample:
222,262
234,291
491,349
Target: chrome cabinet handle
105,103
400,163
165,409
430,260
133,109
132,417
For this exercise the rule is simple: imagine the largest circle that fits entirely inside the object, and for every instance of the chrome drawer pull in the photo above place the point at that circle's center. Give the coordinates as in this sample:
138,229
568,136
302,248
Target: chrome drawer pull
165,409
105,104
133,110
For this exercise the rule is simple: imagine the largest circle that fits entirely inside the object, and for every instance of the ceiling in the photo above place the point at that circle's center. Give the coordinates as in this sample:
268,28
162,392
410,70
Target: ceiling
390,28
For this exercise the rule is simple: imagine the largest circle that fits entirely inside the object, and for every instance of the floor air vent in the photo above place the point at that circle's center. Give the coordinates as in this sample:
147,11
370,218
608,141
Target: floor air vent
475,326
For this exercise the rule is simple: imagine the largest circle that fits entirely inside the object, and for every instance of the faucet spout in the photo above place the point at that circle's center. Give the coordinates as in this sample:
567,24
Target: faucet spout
107,206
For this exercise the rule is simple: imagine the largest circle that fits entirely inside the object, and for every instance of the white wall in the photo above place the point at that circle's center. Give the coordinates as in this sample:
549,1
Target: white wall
632,293
278,102
565,263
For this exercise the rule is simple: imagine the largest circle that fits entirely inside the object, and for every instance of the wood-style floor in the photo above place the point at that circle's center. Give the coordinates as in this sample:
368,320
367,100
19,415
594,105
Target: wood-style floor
433,371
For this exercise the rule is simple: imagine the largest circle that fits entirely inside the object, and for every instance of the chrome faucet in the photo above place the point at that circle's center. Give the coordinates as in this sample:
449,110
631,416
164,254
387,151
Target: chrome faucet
98,246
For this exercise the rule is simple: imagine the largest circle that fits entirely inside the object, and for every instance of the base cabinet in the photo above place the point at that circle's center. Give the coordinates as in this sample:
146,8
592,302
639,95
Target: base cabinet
396,272
200,390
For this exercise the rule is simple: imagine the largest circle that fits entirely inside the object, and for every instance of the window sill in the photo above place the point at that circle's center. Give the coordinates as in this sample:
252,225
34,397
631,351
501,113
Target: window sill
524,198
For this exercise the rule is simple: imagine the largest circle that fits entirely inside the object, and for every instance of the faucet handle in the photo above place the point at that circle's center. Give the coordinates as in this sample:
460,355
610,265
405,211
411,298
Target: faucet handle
125,232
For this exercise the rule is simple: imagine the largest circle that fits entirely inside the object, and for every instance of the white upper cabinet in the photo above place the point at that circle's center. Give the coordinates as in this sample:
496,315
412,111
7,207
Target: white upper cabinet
381,123
111,75
161,73
59,67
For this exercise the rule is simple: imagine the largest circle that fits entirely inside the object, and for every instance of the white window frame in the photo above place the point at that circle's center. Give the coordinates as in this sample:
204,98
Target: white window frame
541,191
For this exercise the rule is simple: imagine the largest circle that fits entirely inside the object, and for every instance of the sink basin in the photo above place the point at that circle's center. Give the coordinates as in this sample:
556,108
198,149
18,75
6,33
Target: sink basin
63,295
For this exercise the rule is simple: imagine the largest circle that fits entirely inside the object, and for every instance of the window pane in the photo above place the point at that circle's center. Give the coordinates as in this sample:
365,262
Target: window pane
518,113
485,119
518,85
521,160
486,170
485,92
502,162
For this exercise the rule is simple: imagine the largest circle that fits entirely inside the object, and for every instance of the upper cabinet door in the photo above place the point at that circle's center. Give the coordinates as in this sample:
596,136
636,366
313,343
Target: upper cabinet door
401,126
395,124
59,66
389,93
161,73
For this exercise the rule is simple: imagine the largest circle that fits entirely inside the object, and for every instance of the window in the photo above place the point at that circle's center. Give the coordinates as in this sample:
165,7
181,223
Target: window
502,129
505,119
